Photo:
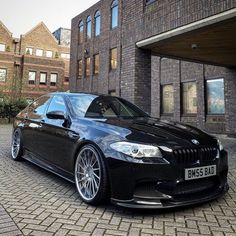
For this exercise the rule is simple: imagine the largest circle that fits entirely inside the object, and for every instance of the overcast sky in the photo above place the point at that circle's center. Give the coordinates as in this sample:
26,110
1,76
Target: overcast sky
20,16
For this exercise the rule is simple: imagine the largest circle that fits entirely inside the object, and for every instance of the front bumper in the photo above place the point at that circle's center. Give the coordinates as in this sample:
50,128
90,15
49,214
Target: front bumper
171,202
154,186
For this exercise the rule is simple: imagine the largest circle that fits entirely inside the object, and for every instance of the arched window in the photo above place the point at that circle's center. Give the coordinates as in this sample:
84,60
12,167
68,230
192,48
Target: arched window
97,23
114,14
81,32
89,27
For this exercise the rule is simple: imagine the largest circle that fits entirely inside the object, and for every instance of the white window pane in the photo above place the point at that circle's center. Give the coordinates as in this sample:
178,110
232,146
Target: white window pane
2,47
53,78
65,55
3,75
43,78
39,52
48,53
29,51
32,75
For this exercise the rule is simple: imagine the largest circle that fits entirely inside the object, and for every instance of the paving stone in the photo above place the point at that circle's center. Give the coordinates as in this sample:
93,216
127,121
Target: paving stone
36,202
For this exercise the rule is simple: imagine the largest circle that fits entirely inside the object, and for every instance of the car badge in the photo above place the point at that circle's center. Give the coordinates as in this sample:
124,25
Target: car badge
194,141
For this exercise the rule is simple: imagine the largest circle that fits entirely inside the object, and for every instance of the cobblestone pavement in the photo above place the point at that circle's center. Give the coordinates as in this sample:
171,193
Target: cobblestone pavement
35,202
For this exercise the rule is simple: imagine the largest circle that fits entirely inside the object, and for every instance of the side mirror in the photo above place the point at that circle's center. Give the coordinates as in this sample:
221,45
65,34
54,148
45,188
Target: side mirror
56,115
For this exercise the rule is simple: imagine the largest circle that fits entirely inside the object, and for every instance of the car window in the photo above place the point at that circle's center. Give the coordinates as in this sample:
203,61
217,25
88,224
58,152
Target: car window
104,107
38,108
57,104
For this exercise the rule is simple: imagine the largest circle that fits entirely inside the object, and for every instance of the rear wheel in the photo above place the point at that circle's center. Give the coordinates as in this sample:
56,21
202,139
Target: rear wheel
90,175
16,145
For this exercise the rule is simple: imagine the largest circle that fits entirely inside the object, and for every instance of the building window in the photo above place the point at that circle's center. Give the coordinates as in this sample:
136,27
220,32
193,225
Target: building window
215,96
32,77
167,99
97,23
29,51
113,62
81,32
112,92
43,78
53,79
3,75
39,52
48,53
89,27
87,67
66,80
2,47
96,65
65,55
114,14
149,1
80,69
189,98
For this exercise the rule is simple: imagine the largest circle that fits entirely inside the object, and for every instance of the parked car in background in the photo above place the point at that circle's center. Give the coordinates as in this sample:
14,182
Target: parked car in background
113,150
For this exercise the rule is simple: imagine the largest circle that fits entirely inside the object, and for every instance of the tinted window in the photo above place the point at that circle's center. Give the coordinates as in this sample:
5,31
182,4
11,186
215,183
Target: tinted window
104,107
57,104
38,108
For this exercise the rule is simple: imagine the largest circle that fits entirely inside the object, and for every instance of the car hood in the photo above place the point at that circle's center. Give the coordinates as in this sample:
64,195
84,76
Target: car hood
166,133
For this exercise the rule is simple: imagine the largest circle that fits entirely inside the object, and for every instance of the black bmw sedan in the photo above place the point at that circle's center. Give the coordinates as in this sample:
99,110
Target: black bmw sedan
113,150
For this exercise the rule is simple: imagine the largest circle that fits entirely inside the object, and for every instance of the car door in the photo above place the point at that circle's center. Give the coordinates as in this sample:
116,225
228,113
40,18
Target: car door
33,123
59,143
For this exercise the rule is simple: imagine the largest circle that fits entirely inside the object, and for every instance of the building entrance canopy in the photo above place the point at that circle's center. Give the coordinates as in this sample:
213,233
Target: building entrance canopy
211,40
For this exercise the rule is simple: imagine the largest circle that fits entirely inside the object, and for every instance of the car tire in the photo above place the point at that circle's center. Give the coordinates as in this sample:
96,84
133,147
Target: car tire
91,175
17,145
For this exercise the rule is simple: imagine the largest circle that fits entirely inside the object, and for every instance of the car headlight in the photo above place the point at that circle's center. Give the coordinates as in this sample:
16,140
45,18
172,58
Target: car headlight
136,150
220,145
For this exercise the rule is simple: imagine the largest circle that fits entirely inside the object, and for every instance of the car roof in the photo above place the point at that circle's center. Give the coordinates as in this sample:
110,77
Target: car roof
77,94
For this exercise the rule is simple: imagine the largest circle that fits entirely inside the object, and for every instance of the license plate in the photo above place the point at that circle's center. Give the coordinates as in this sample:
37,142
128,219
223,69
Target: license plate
200,172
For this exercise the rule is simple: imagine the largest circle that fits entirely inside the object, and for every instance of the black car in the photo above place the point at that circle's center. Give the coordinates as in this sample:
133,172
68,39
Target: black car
113,150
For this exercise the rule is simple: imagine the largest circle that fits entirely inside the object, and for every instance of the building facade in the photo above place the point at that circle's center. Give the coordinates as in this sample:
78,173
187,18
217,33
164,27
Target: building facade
33,64
175,59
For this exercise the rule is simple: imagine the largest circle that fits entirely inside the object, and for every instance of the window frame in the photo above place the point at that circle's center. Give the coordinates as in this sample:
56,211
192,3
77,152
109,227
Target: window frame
31,71
54,83
94,64
30,50
206,97
114,6
111,68
182,98
40,83
80,63
4,47
50,52
162,100
88,27
5,75
87,68
96,23
37,50
81,32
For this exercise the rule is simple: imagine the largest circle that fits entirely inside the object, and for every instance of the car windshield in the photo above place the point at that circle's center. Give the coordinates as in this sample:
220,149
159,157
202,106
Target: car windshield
92,106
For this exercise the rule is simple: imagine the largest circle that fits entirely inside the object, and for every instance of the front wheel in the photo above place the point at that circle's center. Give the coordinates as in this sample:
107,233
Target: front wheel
16,145
91,176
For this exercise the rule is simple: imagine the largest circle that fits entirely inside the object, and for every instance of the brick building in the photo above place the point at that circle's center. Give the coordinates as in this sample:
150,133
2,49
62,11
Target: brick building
33,64
175,59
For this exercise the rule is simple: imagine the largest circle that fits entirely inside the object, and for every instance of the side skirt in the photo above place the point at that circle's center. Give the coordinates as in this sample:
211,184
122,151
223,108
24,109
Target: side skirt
48,167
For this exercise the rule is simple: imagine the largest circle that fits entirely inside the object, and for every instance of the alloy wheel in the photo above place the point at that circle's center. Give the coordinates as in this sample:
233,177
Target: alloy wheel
15,146
88,173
